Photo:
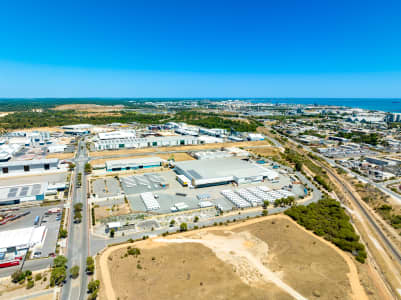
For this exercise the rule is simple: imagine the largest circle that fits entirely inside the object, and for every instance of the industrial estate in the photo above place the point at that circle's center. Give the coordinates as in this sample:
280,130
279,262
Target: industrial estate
199,199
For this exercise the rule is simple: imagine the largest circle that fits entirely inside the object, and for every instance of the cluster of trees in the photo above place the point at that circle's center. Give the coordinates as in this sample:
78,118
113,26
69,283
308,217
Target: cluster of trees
59,271
78,212
357,137
314,133
328,219
29,119
284,202
20,277
300,160
387,212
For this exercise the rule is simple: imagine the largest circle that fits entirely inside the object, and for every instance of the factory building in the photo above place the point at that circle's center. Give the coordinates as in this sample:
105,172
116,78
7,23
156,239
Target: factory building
113,144
133,164
14,244
77,129
22,193
19,167
210,172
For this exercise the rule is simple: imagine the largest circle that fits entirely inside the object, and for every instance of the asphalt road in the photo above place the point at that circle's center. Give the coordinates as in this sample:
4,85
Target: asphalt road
77,248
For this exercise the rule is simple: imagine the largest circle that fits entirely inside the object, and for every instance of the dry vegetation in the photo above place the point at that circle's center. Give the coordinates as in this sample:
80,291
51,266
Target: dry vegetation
90,107
233,261
176,156
180,148
102,212
60,155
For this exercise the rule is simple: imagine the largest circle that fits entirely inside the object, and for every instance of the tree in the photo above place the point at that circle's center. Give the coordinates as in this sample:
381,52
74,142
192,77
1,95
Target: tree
93,286
30,284
71,166
298,166
77,216
265,212
266,203
62,233
90,265
196,219
112,231
60,261
74,271
88,168
17,276
58,276
183,227
172,222
78,206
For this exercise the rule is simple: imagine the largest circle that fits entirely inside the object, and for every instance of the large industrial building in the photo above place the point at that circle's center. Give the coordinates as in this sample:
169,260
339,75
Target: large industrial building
132,142
34,166
14,244
21,193
219,171
133,164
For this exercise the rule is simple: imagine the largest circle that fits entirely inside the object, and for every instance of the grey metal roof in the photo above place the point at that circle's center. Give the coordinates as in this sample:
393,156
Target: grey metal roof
29,162
221,167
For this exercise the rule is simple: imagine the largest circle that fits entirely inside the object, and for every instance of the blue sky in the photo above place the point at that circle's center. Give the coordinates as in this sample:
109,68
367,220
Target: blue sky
200,48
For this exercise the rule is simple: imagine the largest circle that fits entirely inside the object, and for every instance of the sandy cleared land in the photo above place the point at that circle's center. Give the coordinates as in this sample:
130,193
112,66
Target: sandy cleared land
48,129
9,290
265,151
264,258
181,148
177,157
61,155
102,212
89,107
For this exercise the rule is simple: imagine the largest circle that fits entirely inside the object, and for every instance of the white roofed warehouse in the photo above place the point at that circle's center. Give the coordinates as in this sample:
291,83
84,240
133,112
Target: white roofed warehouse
133,164
209,172
34,166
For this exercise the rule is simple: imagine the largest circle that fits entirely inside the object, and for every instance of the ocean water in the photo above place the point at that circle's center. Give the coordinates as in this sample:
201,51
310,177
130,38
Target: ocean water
384,104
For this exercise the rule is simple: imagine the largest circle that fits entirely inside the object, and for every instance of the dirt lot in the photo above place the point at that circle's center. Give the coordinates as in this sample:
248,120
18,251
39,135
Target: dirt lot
89,107
265,258
9,290
116,210
61,155
265,151
177,157
180,148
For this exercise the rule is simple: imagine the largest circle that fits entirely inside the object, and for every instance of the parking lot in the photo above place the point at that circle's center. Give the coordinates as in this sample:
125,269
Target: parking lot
106,187
175,193
51,223
148,182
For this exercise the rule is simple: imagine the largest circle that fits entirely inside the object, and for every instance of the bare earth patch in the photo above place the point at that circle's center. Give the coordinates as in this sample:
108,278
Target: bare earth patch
181,148
265,258
166,156
90,107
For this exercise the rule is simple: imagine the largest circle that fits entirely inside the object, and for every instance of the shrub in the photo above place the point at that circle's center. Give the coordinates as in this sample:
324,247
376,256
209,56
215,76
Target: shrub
74,271
38,276
30,284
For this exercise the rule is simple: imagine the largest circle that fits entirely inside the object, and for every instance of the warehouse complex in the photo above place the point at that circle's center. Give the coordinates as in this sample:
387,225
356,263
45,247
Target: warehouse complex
34,166
133,142
133,164
209,172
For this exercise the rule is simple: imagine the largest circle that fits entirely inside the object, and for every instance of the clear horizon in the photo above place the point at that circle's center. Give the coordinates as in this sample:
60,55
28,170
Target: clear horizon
181,49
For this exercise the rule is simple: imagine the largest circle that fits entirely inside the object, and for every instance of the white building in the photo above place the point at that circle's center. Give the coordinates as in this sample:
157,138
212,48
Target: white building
34,166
